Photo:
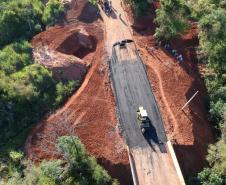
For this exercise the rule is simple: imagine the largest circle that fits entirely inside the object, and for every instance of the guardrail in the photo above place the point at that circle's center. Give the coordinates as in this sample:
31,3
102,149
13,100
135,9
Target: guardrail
175,162
133,168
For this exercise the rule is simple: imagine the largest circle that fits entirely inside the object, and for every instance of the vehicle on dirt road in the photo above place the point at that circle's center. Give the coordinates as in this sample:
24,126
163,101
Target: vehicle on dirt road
142,119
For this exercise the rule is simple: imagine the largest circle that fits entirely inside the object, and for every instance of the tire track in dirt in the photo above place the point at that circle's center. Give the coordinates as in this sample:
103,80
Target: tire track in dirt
80,90
66,107
96,97
76,122
161,89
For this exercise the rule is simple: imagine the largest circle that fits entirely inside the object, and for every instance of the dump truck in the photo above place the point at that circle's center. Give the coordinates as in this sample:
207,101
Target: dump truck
143,120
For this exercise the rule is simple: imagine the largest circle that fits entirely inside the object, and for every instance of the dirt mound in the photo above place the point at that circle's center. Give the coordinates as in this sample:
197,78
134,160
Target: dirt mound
83,11
58,37
64,67
79,44
62,54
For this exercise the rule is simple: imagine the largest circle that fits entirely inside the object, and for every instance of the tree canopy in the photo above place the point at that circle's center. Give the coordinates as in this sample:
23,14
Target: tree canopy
171,19
52,12
75,168
27,90
25,18
216,174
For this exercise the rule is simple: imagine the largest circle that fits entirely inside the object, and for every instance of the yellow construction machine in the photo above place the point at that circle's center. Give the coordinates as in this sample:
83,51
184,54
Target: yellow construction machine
143,120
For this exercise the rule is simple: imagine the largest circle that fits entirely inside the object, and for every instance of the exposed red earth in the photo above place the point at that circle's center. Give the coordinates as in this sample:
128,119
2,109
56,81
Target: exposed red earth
78,47
73,49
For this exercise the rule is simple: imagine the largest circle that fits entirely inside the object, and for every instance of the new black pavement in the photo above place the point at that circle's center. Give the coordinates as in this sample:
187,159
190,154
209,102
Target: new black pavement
132,89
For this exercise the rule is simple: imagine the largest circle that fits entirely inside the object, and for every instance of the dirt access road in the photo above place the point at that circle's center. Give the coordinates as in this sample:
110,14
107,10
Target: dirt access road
153,165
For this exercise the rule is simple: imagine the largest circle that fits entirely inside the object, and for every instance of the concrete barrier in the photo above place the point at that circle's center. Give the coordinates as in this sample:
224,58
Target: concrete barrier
175,162
133,168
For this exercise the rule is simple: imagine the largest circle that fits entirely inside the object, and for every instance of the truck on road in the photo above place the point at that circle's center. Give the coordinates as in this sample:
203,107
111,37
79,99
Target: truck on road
143,120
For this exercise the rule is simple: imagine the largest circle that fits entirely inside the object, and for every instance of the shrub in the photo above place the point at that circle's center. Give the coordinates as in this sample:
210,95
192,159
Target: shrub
19,19
53,11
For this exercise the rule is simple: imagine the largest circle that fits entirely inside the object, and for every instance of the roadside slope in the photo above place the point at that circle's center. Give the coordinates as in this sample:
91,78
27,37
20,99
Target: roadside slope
173,84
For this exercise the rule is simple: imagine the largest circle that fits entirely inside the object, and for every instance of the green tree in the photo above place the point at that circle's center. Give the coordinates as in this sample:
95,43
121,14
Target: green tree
63,90
171,19
93,2
140,7
212,38
27,90
19,19
15,57
81,167
216,174
200,8
77,167
209,177
25,18
53,11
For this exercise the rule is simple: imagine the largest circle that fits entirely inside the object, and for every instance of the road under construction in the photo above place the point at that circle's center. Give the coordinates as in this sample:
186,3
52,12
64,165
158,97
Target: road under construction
152,158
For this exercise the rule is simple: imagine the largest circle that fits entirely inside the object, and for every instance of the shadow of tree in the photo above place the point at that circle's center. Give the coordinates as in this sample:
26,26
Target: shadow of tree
119,171
89,13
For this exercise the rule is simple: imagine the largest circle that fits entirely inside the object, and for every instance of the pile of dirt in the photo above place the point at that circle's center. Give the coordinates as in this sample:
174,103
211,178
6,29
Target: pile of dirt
63,67
173,84
83,11
79,43
67,50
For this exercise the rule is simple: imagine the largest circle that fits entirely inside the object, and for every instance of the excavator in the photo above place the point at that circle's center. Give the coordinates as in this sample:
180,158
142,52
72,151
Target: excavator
143,120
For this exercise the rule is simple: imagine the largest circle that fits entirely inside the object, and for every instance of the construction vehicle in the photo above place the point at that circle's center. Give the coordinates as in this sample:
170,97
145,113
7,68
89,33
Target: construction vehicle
143,120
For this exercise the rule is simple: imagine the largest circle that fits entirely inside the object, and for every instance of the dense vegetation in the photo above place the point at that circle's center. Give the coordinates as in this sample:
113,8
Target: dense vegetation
140,7
25,18
76,167
173,18
27,90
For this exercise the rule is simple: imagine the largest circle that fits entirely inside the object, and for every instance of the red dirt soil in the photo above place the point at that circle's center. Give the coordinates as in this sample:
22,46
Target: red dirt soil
93,113
70,53
90,111
173,84
92,108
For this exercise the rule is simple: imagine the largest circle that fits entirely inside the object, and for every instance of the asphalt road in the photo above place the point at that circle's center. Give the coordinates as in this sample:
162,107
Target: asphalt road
132,89
152,165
